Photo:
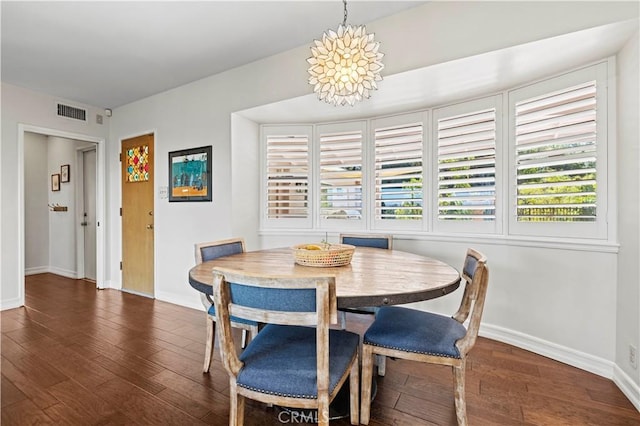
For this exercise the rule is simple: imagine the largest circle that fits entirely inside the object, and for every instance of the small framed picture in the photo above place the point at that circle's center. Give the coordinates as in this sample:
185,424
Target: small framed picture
65,173
55,182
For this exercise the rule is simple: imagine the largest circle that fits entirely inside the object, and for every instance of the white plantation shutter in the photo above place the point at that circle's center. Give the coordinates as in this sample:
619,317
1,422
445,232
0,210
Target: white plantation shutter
467,166
556,156
340,174
287,173
398,172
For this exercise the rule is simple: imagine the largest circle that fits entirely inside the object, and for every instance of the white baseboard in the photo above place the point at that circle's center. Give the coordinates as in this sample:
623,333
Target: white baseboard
581,360
10,304
192,301
63,272
627,386
36,270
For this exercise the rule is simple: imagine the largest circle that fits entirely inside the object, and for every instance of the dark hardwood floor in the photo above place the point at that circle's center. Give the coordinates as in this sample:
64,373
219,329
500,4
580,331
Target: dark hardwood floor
78,356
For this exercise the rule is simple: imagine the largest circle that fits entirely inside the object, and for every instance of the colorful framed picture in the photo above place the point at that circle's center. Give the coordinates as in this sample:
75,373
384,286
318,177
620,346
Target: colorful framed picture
65,173
190,174
55,182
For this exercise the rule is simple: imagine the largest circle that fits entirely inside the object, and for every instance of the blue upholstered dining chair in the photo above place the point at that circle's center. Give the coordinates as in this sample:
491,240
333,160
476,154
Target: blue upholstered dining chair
366,240
427,337
296,360
209,251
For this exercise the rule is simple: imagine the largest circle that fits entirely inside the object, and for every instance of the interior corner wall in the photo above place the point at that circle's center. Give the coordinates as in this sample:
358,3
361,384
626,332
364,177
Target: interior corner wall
628,288
245,178
36,212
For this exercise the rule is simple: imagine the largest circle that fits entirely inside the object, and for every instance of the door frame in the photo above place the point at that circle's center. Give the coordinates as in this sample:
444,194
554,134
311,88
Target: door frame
80,207
155,201
100,197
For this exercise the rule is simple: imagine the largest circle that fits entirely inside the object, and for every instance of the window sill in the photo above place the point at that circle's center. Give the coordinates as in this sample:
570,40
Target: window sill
573,244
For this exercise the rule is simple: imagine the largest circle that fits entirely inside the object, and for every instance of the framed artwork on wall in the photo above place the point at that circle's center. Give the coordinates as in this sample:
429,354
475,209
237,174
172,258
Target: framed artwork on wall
55,182
190,174
65,173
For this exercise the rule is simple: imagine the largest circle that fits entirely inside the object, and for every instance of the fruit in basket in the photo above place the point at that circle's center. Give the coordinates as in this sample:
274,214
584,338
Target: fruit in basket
312,247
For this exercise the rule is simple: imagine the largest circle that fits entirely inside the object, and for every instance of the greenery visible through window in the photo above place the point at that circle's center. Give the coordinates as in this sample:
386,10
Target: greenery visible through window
556,156
341,175
467,166
529,161
398,172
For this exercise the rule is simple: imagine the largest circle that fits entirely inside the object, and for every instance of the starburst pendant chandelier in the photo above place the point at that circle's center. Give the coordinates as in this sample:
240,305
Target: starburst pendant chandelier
345,64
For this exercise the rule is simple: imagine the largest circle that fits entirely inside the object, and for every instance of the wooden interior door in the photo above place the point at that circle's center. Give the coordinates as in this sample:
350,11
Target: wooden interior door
137,215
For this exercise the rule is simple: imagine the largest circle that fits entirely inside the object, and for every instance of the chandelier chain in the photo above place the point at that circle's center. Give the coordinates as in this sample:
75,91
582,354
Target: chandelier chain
344,22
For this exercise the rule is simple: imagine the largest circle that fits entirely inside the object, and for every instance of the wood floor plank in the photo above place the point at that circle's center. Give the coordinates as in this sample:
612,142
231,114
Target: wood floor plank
24,413
9,392
83,401
29,384
145,408
78,356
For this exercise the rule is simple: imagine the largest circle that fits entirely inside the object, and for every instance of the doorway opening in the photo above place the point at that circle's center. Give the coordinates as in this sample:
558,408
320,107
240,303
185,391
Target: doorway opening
71,179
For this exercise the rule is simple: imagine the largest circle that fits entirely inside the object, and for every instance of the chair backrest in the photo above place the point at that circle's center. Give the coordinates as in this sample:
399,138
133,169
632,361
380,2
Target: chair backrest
216,249
368,240
476,276
308,301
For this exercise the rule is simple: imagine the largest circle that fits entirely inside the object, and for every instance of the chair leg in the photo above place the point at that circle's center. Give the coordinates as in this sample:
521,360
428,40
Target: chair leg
236,411
367,377
381,360
458,388
354,393
208,352
343,320
323,410
243,344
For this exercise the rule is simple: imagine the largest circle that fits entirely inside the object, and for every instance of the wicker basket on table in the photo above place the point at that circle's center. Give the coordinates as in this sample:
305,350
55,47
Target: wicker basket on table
326,256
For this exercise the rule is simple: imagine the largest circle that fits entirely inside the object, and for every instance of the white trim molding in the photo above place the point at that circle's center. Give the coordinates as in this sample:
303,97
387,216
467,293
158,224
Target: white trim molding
628,387
581,360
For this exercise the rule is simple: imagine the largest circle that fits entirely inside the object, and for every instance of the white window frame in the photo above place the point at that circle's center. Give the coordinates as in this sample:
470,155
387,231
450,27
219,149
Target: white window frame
341,224
590,230
282,223
505,227
466,226
401,225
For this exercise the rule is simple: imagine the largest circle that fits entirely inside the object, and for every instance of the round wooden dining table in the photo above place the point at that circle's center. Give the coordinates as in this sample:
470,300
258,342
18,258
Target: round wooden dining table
375,277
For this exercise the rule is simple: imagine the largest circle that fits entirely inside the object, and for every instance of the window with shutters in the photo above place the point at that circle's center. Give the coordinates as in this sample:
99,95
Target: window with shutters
398,171
288,175
558,155
340,172
529,163
465,143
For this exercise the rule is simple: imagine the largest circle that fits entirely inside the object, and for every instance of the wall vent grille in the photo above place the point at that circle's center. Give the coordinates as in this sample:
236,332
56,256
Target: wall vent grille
72,112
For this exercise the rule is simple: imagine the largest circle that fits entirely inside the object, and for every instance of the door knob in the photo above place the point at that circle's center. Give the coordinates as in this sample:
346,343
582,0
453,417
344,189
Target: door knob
150,226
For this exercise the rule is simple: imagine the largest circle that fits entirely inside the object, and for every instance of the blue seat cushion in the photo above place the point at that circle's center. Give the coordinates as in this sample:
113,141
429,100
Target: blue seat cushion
415,331
281,360
212,312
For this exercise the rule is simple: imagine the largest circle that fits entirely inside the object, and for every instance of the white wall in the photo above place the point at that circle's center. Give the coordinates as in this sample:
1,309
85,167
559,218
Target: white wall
21,106
628,287
62,225
245,156
37,184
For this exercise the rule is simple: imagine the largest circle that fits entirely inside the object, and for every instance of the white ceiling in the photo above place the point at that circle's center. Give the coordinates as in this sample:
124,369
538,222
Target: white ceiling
108,54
